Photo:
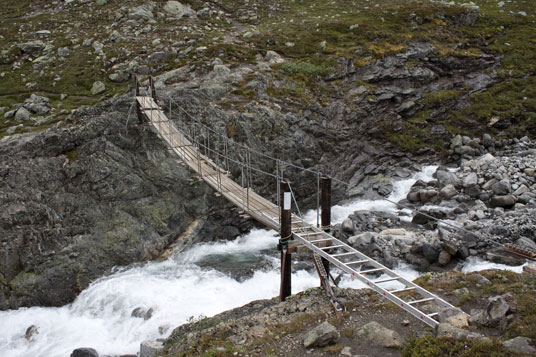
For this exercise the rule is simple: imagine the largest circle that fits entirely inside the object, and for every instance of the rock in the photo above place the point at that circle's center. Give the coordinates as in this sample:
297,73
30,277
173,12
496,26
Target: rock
177,10
502,187
101,2
496,310
140,312
142,13
446,329
31,332
84,352
346,351
527,243
529,269
10,114
32,47
22,114
273,57
347,226
487,141
503,201
120,77
426,196
64,51
98,88
456,141
322,335
447,178
444,258
454,316
430,252
448,192
379,335
520,345
151,348
470,180
362,239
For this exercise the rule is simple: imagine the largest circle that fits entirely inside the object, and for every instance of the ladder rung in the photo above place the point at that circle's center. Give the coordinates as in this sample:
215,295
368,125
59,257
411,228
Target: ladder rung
419,301
370,271
386,279
333,247
357,262
433,314
320,240
343,254
402,290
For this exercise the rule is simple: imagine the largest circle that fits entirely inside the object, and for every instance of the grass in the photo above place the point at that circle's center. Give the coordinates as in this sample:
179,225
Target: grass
429,346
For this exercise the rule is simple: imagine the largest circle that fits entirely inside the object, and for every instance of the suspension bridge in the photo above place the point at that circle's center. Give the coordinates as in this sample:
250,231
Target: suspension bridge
216,159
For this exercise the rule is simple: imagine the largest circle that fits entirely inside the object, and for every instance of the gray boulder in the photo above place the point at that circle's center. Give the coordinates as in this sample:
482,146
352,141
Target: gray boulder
444,258
347,226
142,13
120,77
446,329
151,348
470,180
31,332
85,352
32,47
98,88
502,187
503,201
322,335
64,51
447,178
521,345
177,10
527,243
448,192
454,316
379,335
22,114
142,313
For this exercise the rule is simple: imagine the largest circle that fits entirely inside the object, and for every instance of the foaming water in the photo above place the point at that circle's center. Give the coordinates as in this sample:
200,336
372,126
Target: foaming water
401,189
477,264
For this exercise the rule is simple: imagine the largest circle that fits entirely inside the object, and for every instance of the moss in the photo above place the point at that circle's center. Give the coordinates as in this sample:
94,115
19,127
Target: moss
72,155
304,68
333,349
429,346
439,97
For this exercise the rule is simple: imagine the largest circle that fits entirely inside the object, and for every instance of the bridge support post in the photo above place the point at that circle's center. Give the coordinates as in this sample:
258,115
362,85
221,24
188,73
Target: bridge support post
286,237
325,184
138,108
153,90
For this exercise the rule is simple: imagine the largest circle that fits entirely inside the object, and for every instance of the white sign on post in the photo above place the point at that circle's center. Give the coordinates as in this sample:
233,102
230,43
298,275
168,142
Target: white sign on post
286,200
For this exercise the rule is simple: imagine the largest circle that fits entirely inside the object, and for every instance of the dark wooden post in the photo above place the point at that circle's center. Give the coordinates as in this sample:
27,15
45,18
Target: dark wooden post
286,237
325,184
153,91
138,109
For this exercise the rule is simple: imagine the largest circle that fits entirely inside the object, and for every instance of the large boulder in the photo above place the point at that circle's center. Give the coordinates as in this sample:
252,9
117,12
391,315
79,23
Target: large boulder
151,348
177,10
521,345
98,88
506,201
454,316
32,47
322,335
85,352
379,335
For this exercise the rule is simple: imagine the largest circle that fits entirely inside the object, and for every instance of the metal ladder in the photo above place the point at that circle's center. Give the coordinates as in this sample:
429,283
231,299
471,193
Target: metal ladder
373,274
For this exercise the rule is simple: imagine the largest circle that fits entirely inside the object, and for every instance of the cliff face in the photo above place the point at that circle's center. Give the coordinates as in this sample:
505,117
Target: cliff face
76,202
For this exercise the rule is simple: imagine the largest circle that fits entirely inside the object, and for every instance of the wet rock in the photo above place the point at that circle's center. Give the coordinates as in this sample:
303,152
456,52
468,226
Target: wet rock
322,335
379,335
454,316
140,312
430,252
428,196
520,345
151,348
31,332
84,352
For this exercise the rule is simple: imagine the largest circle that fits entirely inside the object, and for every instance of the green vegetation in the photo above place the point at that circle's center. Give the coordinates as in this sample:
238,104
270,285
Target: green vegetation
429,346
522,287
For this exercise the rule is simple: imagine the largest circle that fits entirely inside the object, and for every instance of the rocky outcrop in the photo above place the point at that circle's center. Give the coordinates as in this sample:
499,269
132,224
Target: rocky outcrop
76,201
